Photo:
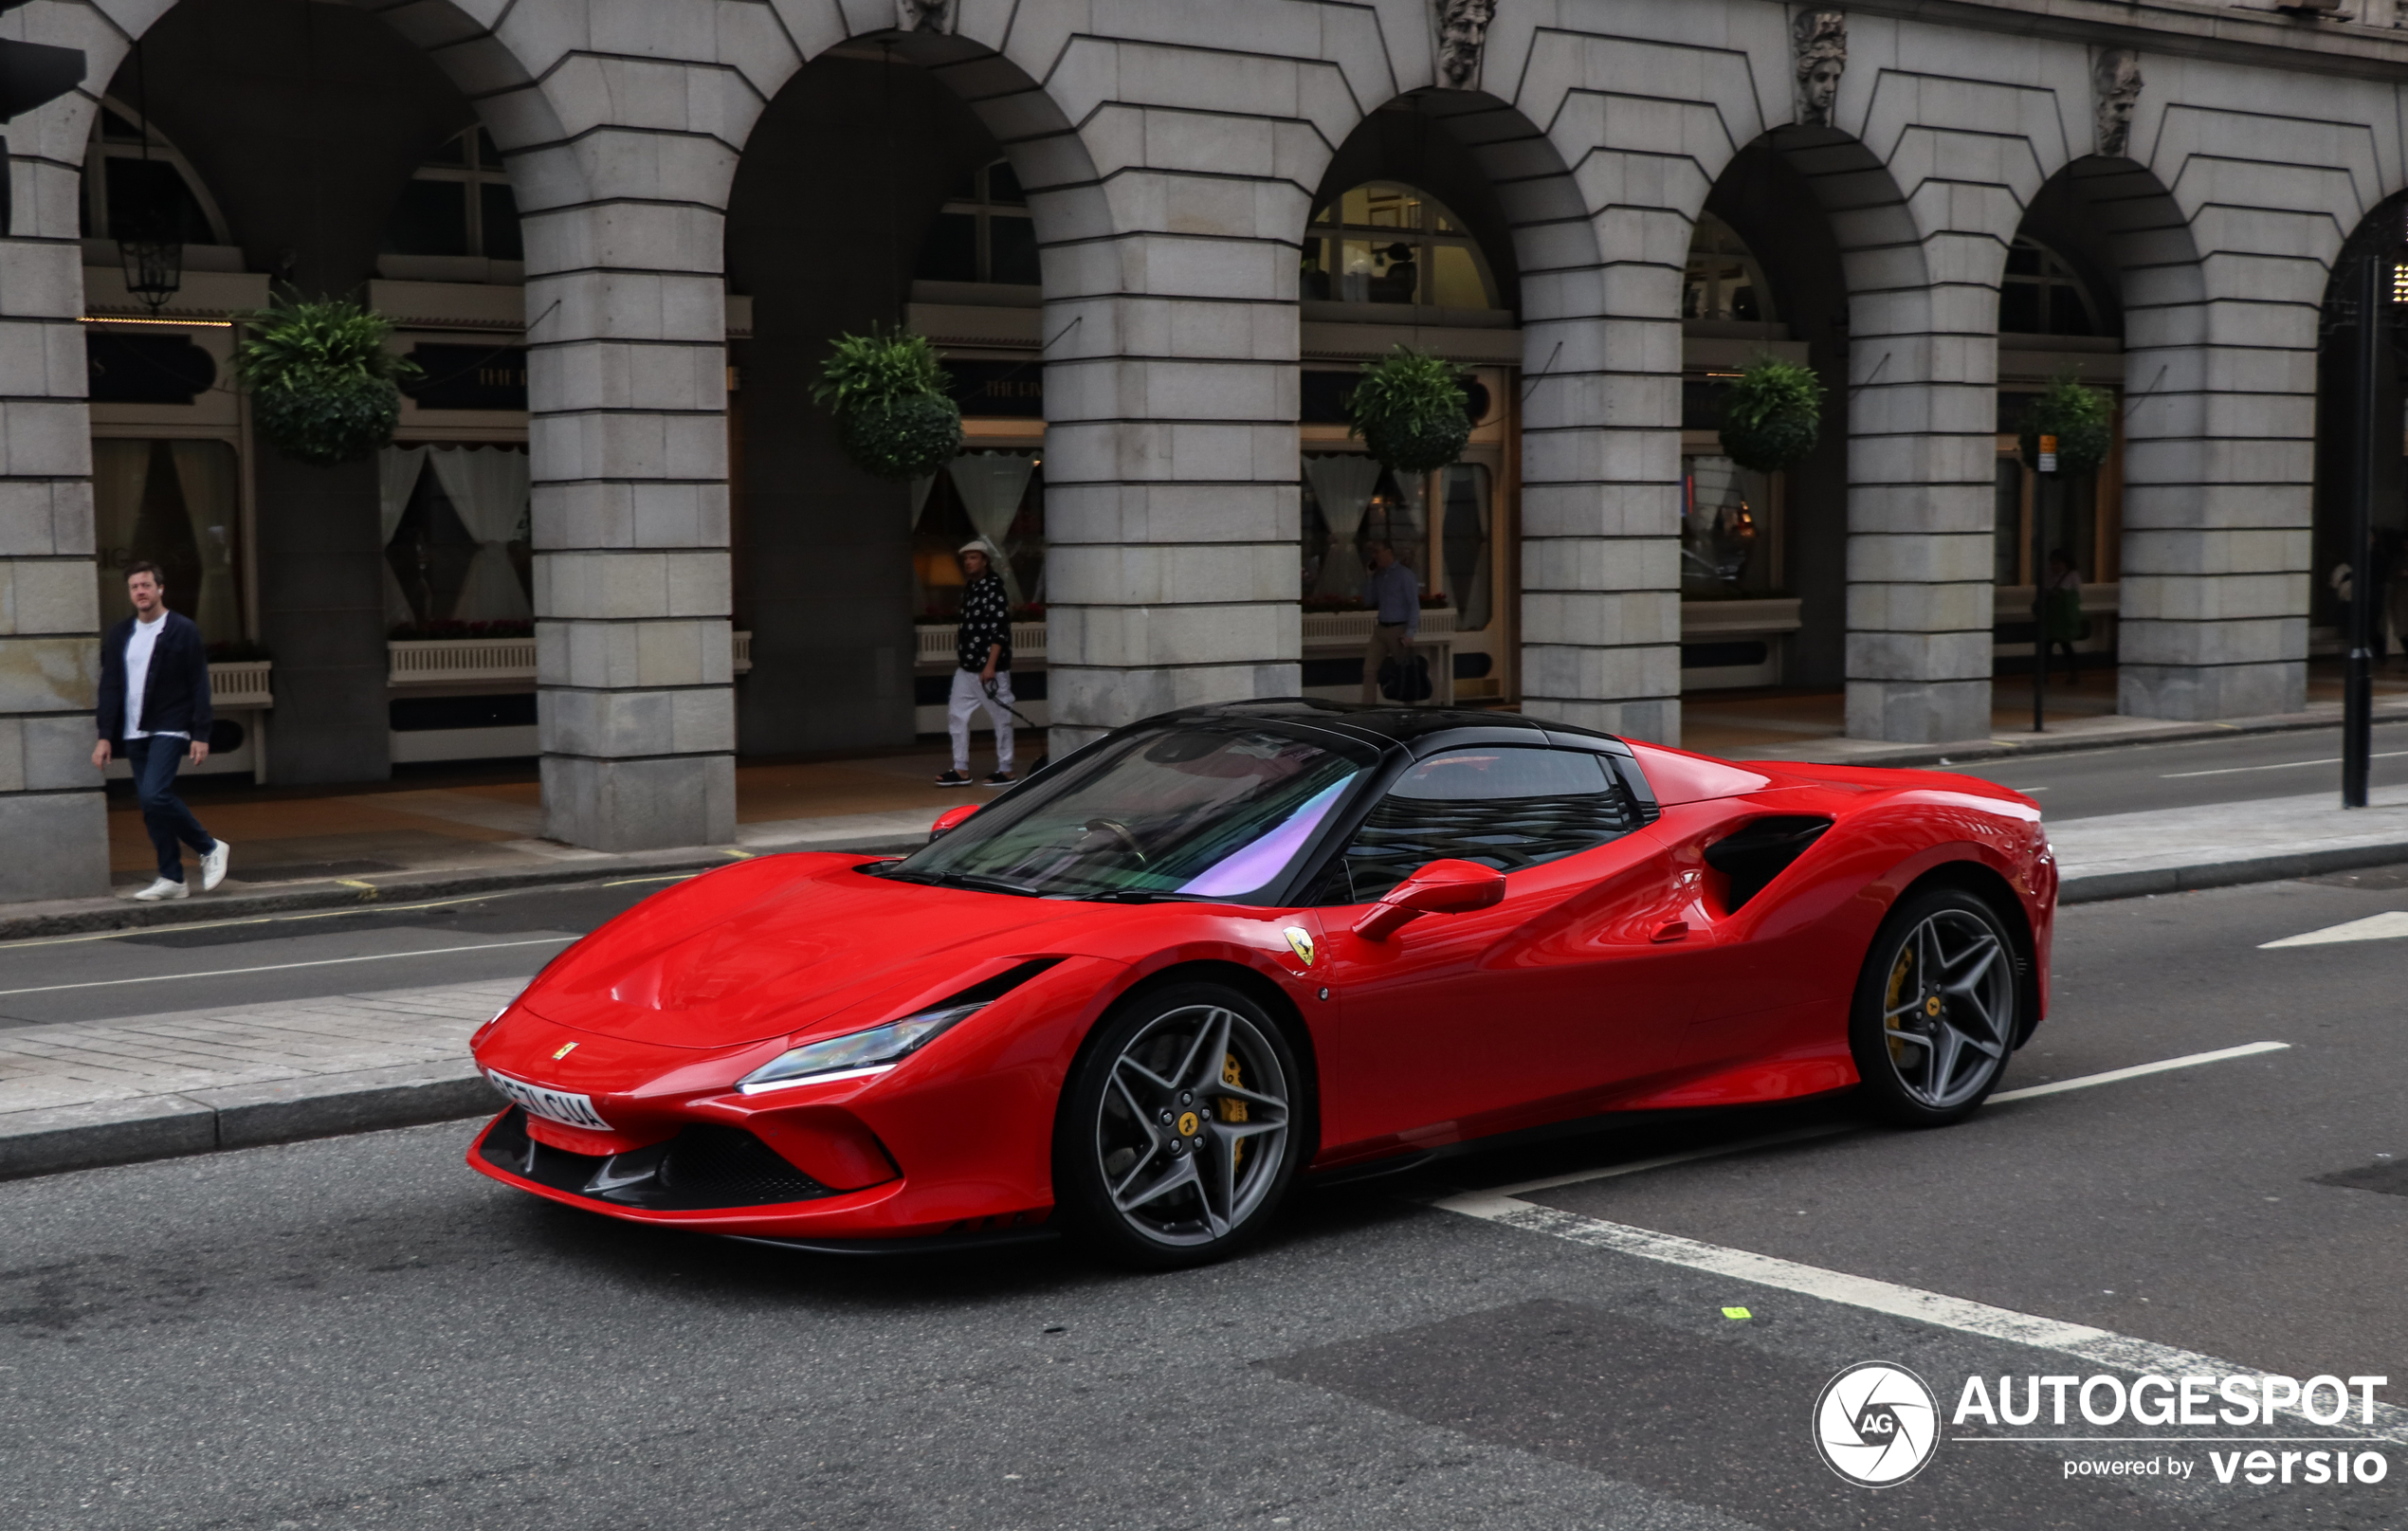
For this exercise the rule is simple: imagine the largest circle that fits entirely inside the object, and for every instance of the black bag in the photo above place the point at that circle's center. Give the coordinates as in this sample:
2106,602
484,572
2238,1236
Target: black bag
1406,679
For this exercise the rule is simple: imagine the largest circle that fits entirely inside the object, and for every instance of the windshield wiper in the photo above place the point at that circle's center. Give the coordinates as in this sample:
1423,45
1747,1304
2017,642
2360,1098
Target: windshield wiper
975,882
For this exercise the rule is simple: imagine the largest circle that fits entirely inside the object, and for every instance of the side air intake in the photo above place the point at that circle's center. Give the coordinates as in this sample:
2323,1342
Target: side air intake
1760,849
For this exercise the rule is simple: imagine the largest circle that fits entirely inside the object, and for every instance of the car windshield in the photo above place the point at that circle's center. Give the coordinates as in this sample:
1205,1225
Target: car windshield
1194,810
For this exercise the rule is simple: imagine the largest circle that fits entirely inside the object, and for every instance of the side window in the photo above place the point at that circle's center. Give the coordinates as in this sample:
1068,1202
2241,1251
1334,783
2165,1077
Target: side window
1497,804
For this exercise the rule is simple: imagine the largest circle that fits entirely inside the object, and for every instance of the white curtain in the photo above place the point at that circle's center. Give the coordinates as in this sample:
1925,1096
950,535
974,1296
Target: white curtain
119,472
488,487
205,472
1466,513
991,484
398,469
1345,486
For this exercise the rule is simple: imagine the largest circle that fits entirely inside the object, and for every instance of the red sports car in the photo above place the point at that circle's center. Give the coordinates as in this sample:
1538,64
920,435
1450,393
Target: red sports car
1136,996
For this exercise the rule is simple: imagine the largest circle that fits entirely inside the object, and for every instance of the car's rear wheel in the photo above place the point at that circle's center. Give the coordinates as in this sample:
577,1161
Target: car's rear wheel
1935,1012
1175,1142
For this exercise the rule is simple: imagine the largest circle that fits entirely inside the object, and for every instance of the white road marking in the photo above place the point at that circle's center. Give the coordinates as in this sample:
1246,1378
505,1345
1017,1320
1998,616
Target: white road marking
1833,1129
2099,1347
2279,765
281,967
2382,927
2136,1071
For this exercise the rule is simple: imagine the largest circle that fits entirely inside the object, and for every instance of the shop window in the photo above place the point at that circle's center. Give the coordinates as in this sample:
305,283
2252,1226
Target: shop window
1388,243
129,194
998,498
983,233
459,554
1729,531
457,203
172,503
2069,509
2042,295
1464,545
1723,282
1350,502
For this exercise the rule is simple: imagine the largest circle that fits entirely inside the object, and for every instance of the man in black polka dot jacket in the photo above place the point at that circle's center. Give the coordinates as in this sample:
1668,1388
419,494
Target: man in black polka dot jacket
982,671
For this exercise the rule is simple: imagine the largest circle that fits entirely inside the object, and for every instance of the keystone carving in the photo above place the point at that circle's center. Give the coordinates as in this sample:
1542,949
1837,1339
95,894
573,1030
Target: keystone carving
1819,40
924,15
1463,32
2116,79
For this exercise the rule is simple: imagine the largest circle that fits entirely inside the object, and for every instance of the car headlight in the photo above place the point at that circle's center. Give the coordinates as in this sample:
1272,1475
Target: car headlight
857,1055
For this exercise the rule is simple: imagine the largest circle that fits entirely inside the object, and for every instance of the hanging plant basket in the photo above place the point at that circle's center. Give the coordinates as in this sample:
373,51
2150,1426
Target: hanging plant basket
2080,418
1411,410
322,385
887,392
1773,416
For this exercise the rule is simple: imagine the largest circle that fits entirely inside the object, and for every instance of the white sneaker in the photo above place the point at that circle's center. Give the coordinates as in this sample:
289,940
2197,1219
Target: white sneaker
162,888
213,868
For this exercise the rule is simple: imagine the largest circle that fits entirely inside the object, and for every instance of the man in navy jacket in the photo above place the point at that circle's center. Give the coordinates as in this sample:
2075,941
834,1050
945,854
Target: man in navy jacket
155,699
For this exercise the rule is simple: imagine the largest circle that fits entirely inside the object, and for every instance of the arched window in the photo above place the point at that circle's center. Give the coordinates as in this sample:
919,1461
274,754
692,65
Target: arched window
2042,295
983,233
457,203
1385,242
1723,280
127,196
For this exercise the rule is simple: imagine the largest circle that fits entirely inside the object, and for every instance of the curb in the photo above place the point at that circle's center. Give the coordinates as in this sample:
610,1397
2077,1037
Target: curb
239,1116
82,916
2099,887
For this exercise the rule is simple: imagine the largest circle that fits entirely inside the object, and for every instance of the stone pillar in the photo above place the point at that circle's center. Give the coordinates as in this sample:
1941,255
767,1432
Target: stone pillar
52,815
627,379
1172,472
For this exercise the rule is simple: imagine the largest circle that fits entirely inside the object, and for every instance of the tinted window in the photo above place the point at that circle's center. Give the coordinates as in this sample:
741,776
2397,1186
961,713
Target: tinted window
1189,811
1495,805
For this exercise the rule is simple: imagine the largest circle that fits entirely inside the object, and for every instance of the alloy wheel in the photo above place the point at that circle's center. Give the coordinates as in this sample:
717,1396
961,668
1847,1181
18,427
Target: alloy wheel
1192,1130
1948,1009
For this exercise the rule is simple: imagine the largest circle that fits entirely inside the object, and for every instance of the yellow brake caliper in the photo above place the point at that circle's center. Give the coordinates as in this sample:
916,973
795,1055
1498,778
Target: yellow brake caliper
1889,1002
1232,1110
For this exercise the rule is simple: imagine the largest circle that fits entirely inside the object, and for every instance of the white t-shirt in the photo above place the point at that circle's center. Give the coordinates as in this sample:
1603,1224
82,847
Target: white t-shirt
138,675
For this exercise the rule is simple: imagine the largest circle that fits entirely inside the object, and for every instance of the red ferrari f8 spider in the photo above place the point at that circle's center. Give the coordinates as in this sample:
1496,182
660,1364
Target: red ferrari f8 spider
1139,994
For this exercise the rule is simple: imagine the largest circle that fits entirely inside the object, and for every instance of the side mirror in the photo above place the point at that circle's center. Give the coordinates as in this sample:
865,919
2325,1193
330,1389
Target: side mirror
949,820
1442,888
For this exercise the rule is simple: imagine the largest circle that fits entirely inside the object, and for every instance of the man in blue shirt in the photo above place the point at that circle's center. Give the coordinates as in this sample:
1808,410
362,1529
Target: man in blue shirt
155,697
1396,596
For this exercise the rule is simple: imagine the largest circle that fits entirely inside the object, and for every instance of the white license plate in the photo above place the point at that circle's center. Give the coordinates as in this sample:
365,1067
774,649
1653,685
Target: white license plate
552,1105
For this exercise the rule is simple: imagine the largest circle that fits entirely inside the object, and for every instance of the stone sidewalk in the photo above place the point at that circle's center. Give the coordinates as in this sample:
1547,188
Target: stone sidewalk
104,1092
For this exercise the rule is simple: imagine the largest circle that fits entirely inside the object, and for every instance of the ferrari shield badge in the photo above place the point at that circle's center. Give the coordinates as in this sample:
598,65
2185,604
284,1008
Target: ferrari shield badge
564,1051
1300,941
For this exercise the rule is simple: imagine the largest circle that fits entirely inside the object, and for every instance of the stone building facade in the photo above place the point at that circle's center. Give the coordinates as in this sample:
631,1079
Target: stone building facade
705,190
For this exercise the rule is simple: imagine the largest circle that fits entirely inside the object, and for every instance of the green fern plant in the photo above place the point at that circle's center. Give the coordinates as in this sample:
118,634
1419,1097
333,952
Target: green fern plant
887,392
1411,410
2081,418
1772,416
324,388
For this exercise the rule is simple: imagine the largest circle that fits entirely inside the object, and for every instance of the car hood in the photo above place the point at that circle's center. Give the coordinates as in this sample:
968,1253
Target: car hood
788,946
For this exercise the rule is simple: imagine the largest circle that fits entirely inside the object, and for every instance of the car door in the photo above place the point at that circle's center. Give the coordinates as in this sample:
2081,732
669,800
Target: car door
1532,1010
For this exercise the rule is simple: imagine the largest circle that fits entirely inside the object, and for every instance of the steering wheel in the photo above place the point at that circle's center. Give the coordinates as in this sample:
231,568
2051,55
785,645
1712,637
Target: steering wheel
1120,833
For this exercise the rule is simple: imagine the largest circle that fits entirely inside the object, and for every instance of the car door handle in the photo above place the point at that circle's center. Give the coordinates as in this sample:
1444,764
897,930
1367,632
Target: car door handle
1672,930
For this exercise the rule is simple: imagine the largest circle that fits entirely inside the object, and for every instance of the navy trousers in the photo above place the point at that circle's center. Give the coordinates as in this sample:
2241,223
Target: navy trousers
163,814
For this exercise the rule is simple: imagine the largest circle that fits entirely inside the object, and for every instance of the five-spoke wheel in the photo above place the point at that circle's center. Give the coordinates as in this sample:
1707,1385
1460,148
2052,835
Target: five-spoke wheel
1936,1008
1175,1142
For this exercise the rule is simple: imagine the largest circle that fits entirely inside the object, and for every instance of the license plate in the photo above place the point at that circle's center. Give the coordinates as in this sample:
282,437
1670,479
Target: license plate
552,1105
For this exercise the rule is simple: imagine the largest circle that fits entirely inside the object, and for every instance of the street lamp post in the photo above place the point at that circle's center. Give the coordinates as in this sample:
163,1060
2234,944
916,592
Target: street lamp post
2358,672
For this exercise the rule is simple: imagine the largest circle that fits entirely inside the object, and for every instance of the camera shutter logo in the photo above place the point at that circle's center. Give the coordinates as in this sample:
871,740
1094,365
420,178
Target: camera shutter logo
1876,1424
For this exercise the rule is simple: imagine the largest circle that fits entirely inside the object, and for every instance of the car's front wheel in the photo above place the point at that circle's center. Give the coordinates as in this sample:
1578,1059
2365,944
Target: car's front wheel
1177,1136
1935,1012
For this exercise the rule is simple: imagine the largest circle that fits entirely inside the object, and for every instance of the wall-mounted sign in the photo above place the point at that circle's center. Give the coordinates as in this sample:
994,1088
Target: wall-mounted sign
144,369
997,389
470,377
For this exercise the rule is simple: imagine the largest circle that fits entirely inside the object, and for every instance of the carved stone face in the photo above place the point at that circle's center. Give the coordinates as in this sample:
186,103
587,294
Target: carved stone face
1820,88
1462,31
2119,88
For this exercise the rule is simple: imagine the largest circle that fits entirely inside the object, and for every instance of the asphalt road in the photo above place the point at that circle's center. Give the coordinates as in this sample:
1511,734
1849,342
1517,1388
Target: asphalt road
2134,778
360,1332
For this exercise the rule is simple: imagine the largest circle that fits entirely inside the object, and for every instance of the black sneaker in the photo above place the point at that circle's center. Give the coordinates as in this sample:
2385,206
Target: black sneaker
1001,779
952,778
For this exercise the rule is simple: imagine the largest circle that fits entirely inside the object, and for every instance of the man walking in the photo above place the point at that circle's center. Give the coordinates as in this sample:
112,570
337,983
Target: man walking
982,668
155,697
1395,598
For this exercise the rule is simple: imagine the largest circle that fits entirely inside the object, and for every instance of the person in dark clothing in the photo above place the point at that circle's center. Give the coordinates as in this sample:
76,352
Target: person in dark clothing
154,703
982,670
2061,623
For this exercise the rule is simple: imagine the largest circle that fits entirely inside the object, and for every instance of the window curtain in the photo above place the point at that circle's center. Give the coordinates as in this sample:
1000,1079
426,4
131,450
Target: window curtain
488,487
991,484
119,470
397,470
920,488
205,472
1344,485
1465,542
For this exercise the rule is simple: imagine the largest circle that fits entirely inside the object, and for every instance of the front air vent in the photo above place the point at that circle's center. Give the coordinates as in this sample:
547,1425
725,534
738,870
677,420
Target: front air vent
1760,850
